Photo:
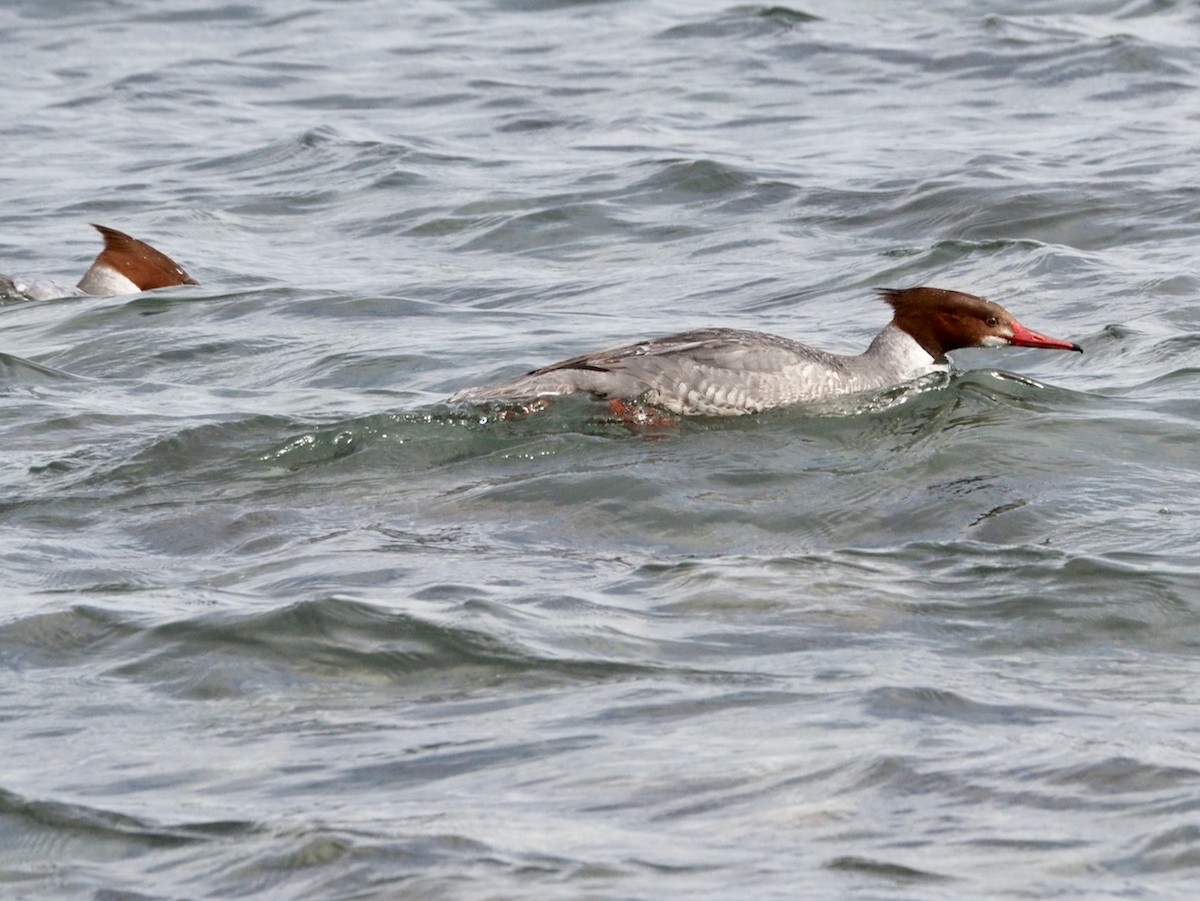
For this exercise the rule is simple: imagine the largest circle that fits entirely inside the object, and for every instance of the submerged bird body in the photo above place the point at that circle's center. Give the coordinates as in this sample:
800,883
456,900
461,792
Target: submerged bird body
727,372
125,266
720,372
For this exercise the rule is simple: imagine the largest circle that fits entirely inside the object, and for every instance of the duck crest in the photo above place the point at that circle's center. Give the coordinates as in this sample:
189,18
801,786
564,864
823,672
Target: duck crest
125,259
941,320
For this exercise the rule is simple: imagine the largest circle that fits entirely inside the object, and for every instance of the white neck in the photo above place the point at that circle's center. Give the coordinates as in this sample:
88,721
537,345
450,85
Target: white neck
898,354
104,281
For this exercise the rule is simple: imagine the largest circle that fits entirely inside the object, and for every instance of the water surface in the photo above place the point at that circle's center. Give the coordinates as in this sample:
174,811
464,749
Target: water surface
281,623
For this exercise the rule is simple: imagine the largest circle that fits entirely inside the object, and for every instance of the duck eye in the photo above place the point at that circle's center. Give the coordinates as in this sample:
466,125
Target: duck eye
991,320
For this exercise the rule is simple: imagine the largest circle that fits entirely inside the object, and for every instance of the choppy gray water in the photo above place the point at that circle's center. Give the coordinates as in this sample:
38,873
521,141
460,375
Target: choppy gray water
279,623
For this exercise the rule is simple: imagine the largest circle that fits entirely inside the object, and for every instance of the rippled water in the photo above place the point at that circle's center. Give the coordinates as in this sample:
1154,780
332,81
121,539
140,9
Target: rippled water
280,623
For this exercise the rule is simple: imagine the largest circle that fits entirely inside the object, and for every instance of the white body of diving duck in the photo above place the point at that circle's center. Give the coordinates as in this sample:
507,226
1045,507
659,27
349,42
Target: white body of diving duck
125,266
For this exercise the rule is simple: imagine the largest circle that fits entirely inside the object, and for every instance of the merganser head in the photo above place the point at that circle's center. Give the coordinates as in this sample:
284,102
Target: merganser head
129,266
942,321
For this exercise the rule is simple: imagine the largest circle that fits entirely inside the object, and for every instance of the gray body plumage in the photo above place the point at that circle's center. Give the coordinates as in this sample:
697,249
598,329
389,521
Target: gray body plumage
719,372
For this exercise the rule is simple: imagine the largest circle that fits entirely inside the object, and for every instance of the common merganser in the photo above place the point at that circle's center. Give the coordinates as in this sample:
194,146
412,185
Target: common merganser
730,372
125,266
